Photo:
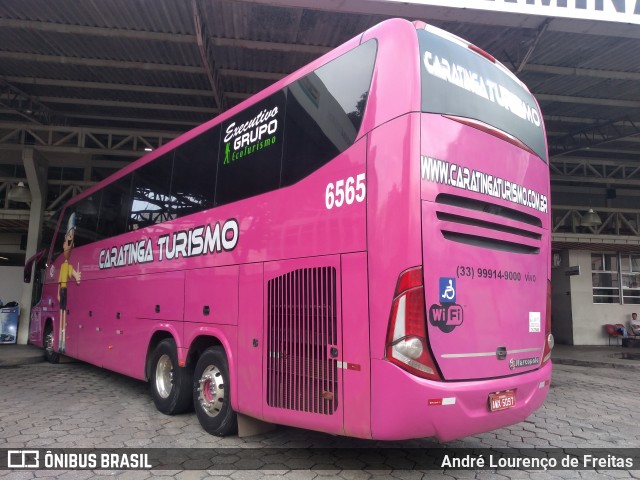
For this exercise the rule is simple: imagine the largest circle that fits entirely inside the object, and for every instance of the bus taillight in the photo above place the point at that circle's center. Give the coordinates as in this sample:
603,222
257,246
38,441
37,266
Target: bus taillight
548,336
407,335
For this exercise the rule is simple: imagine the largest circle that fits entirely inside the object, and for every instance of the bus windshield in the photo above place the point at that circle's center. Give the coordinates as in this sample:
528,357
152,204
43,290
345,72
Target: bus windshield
458,81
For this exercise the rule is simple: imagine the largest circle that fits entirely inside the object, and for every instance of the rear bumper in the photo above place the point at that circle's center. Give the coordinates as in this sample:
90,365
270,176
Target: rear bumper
405,406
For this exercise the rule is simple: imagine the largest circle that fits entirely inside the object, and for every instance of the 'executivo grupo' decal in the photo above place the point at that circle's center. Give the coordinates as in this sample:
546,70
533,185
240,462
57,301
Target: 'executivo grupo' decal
201,240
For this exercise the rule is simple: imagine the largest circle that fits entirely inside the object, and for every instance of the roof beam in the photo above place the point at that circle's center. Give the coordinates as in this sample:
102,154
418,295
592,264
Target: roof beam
606,102
597,180
109,141
93,62
582,72
96,31
113,103
98,62
269,46
543,28
160,36
24,104
594,136
163,121
208,60
34,82
249,74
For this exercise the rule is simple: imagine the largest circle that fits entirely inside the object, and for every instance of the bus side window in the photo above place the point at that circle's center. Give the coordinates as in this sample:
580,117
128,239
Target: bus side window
114,207
194,173
87,212
59,236
151,193
250,154
324,112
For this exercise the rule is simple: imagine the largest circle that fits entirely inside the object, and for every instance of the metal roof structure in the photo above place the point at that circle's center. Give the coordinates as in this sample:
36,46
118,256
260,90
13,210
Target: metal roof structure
109,78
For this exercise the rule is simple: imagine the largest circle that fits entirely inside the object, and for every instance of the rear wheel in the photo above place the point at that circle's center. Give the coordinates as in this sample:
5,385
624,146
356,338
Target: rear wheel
170,384
212,393
47,342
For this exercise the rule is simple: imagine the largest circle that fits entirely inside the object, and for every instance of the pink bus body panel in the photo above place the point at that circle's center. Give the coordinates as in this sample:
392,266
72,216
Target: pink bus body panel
401,403
115,312
496,310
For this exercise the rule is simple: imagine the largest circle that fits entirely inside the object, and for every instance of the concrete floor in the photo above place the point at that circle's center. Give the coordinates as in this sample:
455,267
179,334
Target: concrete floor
76,405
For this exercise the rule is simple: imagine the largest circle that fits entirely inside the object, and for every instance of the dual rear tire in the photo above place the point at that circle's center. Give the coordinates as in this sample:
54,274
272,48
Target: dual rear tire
212,393
50,355
206,388
170,383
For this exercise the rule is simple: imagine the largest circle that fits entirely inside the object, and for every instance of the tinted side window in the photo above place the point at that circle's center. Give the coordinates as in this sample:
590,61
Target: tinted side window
49,234
324,112
114,207
251,151
194,173
87,213
59,238
151,193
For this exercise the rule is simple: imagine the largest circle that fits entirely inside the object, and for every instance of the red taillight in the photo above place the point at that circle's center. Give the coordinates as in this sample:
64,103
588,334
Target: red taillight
548,336
407,336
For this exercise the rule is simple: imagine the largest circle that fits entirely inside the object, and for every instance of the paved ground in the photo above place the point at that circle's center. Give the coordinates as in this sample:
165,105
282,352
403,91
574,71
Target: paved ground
78,405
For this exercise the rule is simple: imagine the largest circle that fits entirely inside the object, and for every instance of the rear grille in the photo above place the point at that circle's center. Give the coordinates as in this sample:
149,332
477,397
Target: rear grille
522,230
489,243
301,328
491,208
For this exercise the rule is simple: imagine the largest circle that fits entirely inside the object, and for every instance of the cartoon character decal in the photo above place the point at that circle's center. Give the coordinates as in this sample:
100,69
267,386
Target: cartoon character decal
66,273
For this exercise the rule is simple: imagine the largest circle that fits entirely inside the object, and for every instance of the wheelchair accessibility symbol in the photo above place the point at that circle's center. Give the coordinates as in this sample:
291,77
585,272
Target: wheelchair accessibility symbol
447,290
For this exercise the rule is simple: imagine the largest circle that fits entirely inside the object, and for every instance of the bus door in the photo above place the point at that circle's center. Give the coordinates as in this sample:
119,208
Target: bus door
303,343
39,260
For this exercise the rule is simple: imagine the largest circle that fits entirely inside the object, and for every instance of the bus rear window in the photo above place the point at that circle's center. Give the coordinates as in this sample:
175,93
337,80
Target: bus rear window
458,81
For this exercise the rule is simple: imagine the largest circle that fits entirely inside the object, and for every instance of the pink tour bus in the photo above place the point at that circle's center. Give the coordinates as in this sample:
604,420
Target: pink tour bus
360,249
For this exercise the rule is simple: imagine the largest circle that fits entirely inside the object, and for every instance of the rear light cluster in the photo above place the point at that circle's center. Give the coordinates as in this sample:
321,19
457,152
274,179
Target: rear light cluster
549,342
407,336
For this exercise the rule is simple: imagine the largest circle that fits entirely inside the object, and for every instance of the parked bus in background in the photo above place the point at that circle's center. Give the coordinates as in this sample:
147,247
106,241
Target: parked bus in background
362,249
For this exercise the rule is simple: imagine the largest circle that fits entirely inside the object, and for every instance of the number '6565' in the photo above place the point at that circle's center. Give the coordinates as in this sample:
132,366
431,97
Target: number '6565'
345,192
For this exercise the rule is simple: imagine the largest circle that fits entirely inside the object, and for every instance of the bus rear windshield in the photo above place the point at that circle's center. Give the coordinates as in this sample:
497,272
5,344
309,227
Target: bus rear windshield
458,81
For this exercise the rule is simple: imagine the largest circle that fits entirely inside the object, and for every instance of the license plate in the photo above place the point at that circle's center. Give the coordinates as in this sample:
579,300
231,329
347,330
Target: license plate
502,400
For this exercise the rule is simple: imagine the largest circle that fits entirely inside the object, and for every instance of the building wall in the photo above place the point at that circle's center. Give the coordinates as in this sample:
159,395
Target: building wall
11,284
588,318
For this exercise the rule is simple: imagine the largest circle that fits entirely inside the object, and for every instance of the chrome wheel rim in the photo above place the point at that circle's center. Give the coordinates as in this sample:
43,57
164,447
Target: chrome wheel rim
211,392
164,376
48,343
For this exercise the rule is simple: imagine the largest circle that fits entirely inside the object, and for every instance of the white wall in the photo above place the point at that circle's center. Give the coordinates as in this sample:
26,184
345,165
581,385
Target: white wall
589,317
11,284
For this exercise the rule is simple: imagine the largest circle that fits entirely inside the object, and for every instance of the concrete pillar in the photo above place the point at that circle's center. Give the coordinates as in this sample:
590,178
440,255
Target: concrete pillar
35,166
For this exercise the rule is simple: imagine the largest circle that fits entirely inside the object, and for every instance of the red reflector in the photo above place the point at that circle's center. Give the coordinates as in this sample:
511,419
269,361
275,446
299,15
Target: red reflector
479,51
